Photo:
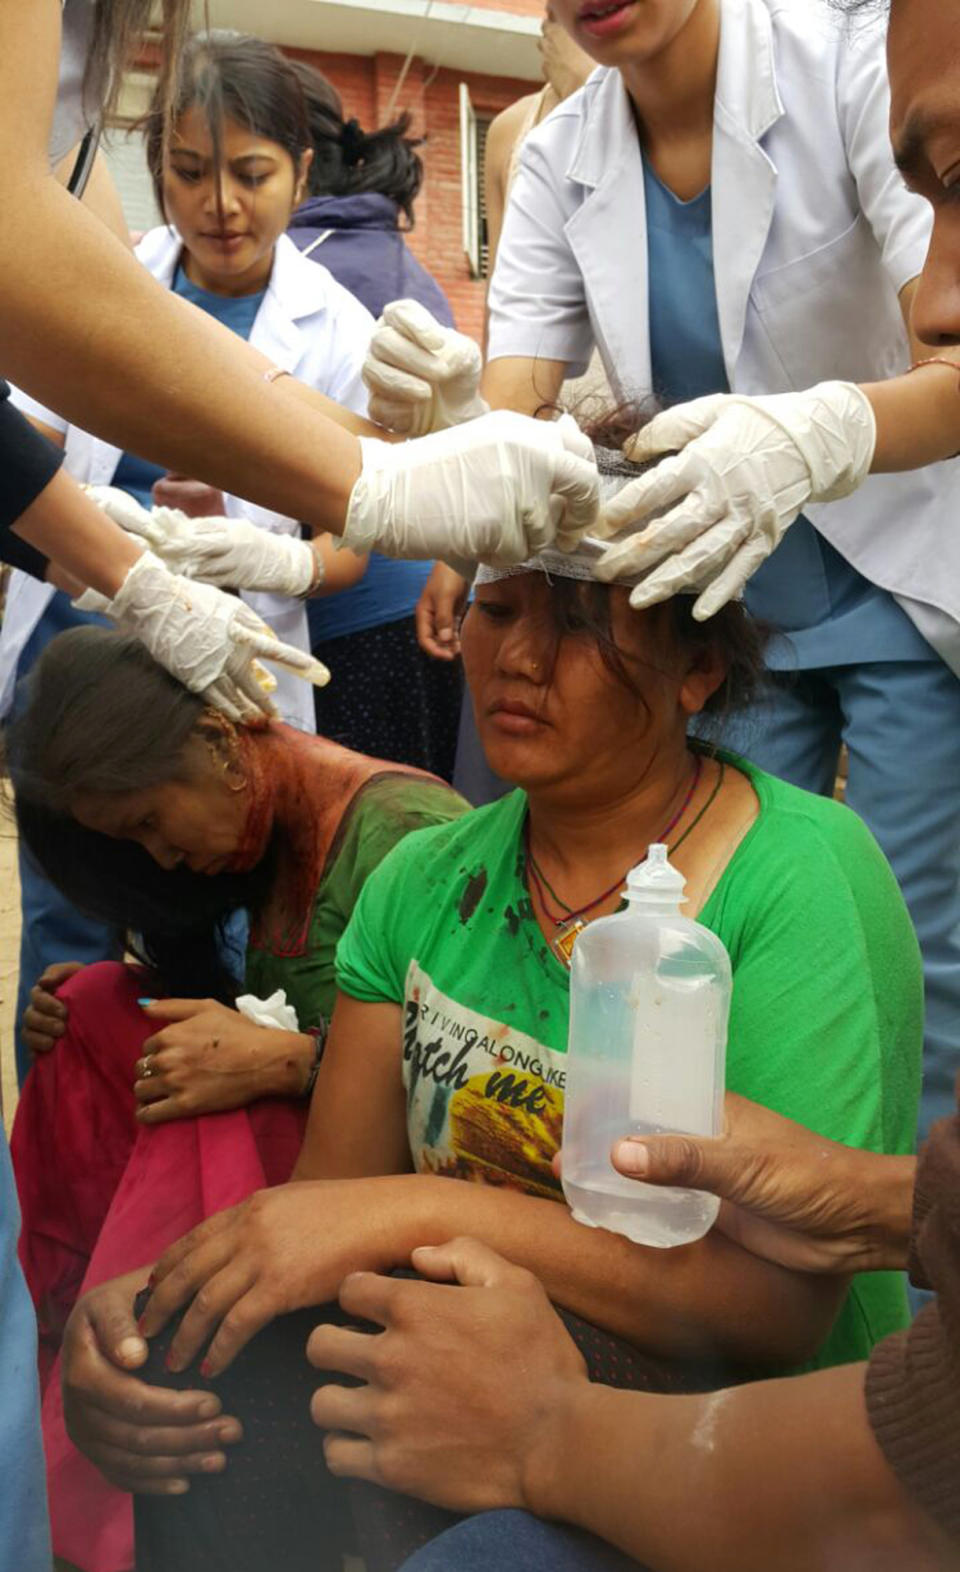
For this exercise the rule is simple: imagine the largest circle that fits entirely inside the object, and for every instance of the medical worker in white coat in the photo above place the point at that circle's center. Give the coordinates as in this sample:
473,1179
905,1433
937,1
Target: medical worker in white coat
718,210
86,331
259,285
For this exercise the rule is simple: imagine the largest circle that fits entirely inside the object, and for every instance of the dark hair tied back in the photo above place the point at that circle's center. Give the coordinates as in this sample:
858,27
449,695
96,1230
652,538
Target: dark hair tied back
353,142
348,160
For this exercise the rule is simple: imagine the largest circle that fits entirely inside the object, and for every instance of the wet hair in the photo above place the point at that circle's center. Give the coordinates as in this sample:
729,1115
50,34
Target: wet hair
348,160
230,76
119,28
102,717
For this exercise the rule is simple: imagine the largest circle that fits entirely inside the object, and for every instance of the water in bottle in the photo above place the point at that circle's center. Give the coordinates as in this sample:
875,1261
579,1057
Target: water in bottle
649,1000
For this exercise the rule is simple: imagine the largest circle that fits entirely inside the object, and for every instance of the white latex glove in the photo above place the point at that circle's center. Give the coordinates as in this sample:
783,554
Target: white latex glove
154,526
237,553
495,490
747,467
220,550
208,640
422,377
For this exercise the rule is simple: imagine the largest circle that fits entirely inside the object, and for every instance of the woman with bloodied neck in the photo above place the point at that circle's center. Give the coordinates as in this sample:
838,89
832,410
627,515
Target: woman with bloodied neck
438,1106
153,1100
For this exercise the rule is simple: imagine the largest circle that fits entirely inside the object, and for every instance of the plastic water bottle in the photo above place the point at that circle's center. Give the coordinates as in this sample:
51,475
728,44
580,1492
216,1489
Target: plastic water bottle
649,1001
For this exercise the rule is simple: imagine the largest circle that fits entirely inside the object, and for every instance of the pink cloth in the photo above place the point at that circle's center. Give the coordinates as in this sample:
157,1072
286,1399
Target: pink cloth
102,1195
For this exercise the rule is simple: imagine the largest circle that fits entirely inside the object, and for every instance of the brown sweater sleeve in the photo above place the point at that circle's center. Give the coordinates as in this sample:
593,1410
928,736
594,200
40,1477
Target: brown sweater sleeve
913,1380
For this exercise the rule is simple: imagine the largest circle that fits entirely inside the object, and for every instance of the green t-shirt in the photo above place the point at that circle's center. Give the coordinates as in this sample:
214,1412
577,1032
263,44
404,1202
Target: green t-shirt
384,810
825,1025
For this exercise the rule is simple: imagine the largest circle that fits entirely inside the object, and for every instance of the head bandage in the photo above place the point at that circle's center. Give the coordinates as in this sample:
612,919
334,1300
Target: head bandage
615,473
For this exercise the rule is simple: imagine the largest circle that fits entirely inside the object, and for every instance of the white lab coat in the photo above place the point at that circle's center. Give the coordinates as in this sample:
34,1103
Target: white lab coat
814,235
312,327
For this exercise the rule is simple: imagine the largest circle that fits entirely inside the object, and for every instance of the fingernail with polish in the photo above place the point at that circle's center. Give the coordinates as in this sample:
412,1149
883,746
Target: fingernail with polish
206,1370
144,1002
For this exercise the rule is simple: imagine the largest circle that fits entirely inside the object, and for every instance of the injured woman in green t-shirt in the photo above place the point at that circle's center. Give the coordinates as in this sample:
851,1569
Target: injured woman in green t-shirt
438,1107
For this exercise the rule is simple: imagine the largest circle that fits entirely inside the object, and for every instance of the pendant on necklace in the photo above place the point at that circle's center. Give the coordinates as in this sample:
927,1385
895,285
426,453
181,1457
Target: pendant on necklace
565,938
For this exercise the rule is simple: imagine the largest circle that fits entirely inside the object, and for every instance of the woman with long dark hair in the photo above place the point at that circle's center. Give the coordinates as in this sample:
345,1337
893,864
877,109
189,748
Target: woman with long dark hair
161,817
439,1104
231,149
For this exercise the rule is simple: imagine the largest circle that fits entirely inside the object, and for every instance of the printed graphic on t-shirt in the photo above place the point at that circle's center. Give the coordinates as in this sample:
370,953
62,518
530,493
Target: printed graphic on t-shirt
484,1101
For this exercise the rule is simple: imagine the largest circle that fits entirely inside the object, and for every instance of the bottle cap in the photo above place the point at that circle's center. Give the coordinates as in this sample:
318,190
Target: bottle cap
654,882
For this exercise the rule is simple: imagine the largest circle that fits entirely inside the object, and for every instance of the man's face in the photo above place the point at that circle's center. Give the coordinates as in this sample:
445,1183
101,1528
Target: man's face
923,57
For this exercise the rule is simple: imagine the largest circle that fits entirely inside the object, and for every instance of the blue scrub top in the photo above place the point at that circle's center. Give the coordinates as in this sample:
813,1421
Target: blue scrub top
806,589
24,1528
237,312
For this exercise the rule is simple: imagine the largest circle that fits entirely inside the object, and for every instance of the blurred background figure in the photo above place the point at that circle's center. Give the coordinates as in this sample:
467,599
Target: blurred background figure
390,700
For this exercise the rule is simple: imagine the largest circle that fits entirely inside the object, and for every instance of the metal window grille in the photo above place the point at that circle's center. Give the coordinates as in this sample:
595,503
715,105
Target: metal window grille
473,148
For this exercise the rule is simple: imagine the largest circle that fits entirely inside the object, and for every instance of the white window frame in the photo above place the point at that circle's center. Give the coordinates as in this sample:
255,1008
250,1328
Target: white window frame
469,188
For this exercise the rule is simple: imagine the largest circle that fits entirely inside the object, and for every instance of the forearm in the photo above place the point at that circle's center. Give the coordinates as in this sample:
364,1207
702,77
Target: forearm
85,546
342,568
918,417
529,386
782,1474
708,1299
347,419
127,359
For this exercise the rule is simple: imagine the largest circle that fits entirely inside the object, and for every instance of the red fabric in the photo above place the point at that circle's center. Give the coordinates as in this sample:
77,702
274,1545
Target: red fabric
102,1195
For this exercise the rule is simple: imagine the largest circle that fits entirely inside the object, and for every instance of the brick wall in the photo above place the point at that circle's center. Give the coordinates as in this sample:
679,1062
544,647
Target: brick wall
366,85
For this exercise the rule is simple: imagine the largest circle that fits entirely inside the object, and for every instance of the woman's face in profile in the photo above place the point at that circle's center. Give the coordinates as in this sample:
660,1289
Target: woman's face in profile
229,242
548,710
196,818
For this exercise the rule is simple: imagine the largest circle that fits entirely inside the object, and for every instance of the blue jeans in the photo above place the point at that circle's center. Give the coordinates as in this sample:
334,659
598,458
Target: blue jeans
901,724
52,929
511,1541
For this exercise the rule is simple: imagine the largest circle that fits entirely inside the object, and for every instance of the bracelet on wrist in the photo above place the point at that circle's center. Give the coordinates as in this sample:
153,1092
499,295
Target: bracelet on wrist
319,573
319,1036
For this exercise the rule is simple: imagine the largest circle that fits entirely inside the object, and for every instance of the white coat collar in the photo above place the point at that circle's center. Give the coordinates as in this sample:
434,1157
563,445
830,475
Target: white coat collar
606,160
298,289
747,100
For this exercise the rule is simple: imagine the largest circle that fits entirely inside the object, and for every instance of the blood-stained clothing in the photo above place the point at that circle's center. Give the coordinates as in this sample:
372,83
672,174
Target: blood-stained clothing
826,1018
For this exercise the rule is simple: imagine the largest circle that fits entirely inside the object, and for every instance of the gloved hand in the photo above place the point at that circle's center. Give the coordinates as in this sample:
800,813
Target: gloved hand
208,640
422,377
747,467
154,526
219,550
495,490
237,553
